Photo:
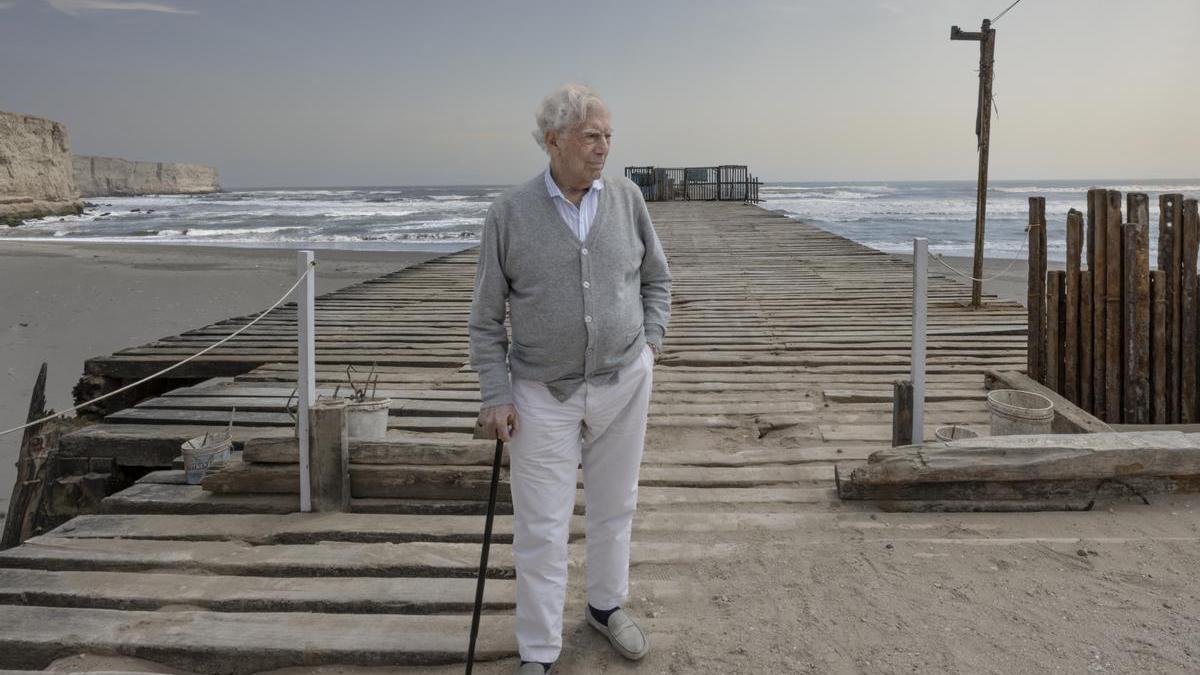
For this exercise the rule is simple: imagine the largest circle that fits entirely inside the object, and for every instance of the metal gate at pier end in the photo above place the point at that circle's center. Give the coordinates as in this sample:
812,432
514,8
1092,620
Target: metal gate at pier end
725,182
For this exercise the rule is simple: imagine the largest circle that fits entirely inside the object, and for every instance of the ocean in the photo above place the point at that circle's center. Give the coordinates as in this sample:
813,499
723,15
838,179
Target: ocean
884,215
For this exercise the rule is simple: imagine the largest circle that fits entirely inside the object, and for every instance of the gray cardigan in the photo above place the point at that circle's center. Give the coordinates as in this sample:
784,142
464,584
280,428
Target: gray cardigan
580,310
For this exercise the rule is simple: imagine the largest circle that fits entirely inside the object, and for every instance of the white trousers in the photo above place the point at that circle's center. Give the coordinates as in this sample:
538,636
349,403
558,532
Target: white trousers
604,427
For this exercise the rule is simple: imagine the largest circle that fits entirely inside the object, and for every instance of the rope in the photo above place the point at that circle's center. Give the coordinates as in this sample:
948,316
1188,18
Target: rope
1005,12
938,258
168,369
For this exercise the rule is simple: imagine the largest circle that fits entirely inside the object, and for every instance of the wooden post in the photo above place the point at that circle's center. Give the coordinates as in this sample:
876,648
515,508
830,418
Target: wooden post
1055,291
1158,347
902,407
1113,372
1137,324
1188,305
1170,261
330,445
920,322
1085,340
18,522
1071,311
306,375
983,124
1035,344
1099,200
1135,319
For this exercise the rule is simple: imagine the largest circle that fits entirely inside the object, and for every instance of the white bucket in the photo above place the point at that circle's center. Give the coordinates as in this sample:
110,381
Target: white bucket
367,420
953,433
200,452
1019,412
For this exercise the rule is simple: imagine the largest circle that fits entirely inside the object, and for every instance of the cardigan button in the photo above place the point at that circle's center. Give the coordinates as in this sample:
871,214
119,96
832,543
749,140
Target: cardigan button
584,251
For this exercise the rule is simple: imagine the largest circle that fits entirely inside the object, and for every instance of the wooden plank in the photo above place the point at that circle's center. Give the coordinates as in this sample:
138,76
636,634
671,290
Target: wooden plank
1071,345
329,457
1086,367
335,559
1135,329
220,593
1189,308
1170,247
1114,372
1159,412
1098,202
902,413
198,641
1037,458
1036,297
1055,327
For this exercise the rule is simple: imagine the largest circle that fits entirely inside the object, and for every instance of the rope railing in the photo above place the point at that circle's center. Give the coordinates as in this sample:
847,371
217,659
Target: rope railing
940,259
170,368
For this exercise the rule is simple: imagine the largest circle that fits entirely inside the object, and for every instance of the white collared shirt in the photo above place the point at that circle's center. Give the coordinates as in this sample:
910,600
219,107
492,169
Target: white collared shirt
580,218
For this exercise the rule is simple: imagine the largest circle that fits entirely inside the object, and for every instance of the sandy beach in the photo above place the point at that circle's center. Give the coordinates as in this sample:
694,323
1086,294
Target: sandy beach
1005,278
66,302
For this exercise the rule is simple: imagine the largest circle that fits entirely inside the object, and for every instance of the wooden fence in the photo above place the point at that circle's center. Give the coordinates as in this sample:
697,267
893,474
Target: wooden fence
727,182
1118,338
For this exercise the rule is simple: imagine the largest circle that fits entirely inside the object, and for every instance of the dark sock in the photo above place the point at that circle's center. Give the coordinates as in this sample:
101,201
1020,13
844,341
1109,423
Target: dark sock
545,666
602,615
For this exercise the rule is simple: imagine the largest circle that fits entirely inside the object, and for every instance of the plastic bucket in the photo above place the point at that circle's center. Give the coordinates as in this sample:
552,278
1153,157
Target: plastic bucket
1019,412
200,453
367,420
953,433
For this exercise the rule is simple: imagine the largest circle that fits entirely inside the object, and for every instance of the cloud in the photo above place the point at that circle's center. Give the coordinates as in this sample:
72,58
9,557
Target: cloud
8,3
76,7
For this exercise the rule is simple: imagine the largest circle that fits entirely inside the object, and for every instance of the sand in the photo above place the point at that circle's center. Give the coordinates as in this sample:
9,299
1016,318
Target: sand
1004,278
65,302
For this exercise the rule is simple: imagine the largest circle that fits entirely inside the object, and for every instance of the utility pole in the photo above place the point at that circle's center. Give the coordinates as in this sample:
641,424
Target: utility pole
986,37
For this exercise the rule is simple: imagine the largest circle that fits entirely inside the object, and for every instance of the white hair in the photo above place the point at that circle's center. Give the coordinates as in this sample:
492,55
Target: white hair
564,107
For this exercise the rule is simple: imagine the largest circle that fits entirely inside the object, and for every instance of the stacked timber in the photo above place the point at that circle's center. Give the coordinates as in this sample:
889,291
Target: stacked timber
1117,338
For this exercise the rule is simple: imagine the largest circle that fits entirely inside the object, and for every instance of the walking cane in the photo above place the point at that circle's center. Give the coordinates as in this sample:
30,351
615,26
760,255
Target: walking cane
483,557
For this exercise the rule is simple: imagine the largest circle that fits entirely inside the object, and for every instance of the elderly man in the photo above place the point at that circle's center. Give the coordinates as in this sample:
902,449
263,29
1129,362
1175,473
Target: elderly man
577,260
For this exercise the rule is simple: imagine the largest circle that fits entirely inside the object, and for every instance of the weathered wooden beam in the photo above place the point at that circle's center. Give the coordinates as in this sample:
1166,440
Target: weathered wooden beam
1085,367
1170,261
1034,467
902,412
1114,371
329,456
1036,296
31,461
1189,307
1098,204
1159,412
1055,328
1135,318
1070,352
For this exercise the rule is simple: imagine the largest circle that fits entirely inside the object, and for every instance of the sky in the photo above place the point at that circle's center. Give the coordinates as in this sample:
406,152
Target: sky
375,92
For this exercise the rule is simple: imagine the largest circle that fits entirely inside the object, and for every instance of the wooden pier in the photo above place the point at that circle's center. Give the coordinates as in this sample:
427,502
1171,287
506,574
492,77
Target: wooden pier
779,362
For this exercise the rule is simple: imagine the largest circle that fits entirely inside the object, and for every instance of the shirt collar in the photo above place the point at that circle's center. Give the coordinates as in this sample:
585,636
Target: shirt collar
552,187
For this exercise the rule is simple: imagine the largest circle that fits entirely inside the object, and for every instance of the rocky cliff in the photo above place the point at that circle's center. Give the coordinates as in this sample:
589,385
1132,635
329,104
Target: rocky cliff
35,169
110,176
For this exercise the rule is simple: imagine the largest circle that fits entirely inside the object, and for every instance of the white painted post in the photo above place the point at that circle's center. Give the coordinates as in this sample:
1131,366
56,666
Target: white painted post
920,321
306,375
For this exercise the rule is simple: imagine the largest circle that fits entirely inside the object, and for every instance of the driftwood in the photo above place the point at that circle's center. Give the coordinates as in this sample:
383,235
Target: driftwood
1064,471
31,466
